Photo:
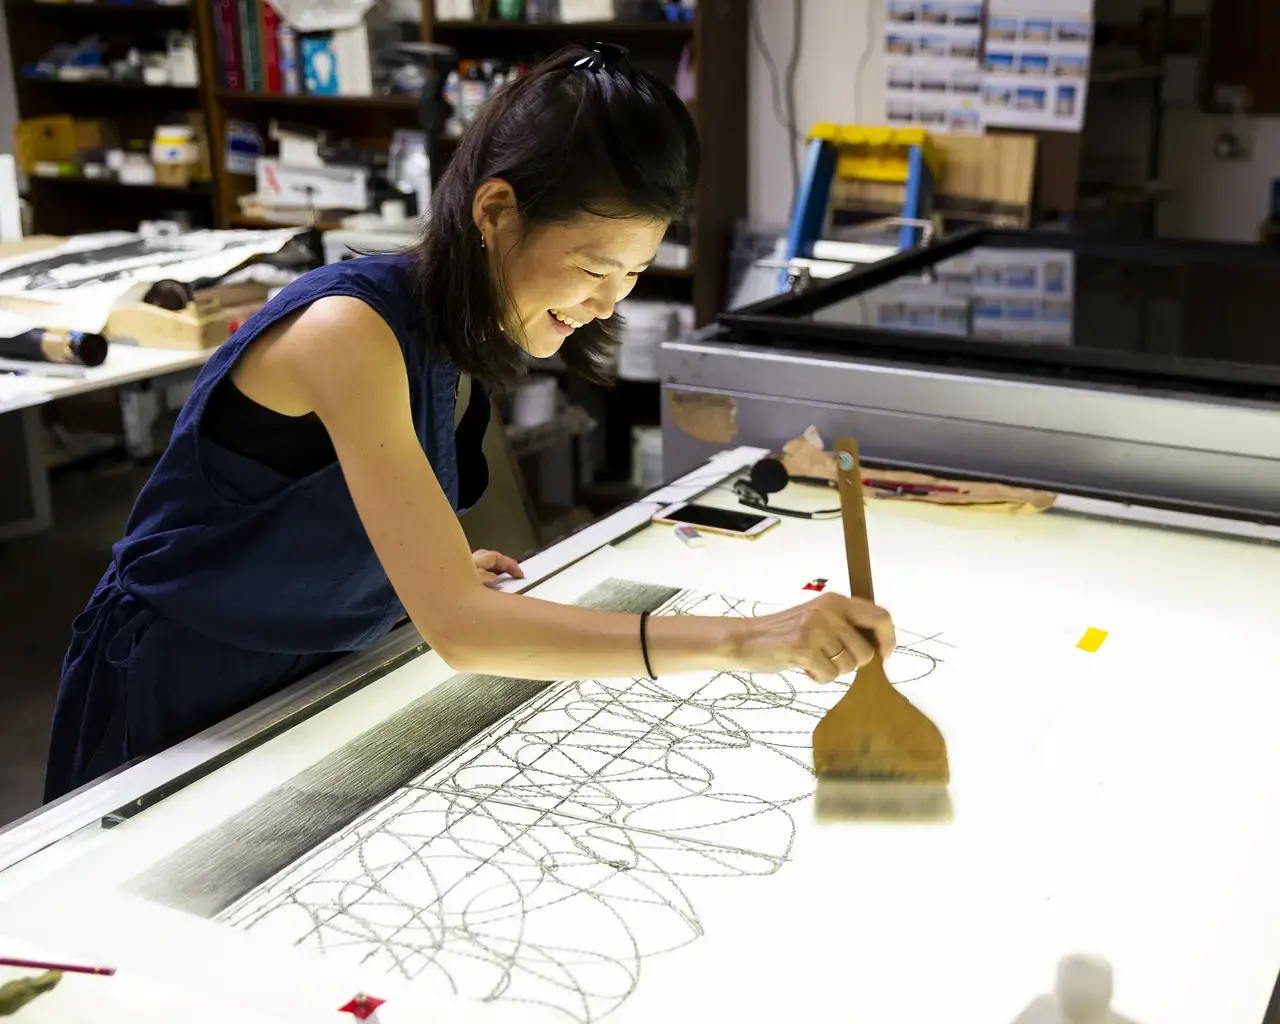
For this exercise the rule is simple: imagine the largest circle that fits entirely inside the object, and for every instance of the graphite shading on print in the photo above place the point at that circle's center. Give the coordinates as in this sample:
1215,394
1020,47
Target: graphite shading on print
548,856
117,256
213,871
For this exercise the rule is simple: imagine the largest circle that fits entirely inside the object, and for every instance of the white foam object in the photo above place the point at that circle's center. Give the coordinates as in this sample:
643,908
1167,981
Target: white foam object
646,457
10,206
535,401
1082,995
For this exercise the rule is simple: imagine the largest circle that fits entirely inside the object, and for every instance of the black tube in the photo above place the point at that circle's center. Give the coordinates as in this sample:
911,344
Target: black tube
43,346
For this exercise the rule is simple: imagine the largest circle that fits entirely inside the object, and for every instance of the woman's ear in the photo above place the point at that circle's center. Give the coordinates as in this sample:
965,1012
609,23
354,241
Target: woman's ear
492,207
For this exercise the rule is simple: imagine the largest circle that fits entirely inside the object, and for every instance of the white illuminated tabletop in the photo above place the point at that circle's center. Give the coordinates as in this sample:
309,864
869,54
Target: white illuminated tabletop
1114,802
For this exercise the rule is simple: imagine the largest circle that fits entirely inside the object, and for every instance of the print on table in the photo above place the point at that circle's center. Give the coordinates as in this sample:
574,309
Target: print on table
551,854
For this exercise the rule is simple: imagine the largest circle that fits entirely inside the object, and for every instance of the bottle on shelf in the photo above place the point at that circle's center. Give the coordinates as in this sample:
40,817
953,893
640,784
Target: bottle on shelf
475,90
453,96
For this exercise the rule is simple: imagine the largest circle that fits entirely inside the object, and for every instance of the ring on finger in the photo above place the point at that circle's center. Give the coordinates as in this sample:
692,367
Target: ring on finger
832,657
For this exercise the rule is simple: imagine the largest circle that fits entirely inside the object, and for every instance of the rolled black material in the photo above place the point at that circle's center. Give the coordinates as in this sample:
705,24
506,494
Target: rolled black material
43,346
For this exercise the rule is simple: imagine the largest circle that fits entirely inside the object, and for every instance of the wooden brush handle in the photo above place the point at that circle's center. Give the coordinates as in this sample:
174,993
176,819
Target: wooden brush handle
856,549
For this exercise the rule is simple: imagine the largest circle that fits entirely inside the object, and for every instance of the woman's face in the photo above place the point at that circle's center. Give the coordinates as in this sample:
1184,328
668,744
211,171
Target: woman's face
563,276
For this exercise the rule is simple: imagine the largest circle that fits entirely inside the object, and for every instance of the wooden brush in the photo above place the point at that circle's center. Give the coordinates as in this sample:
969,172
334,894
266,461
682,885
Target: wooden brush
875,754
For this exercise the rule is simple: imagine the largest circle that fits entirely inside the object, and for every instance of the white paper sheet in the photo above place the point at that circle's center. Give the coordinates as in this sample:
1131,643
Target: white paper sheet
1036,63
76,285
932,74
1111,803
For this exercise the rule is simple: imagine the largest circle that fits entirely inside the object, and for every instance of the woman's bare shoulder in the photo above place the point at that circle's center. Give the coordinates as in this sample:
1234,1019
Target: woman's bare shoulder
307,361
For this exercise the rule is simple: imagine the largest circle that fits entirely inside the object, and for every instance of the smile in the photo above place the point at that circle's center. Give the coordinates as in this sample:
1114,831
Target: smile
565,319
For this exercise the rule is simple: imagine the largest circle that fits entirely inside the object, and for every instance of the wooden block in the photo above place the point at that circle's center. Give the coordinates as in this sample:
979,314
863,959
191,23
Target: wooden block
991,168
195,328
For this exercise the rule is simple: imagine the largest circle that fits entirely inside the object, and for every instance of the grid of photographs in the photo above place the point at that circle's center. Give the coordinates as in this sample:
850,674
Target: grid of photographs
933,75
1035,65
1022,296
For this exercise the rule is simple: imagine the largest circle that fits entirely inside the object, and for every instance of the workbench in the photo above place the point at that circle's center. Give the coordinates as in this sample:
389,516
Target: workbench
24,507
1130,370
469,848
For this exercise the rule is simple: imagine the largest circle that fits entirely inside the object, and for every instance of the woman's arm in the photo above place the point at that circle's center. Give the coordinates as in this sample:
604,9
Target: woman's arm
341,360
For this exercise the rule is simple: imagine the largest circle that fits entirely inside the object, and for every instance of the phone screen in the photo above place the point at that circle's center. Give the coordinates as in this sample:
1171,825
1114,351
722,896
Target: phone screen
715,518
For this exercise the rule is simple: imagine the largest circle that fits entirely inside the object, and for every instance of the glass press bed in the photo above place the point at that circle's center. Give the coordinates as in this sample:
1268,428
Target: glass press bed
477,849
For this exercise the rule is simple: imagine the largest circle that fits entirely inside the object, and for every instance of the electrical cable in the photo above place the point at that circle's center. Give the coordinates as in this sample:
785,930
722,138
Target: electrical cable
863,61
793,63
784,117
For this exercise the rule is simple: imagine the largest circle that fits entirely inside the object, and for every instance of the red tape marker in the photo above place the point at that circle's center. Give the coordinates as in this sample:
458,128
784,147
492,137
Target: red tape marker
362,1006
818,583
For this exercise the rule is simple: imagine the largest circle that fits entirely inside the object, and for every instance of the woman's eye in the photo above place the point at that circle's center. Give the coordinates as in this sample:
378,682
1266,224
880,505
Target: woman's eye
598,277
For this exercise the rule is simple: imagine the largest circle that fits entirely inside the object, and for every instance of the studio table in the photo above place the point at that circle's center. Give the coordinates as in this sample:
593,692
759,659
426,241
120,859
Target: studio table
468,848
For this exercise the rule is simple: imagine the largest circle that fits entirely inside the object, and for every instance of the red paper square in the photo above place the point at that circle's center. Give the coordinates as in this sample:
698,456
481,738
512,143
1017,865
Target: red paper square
362,1006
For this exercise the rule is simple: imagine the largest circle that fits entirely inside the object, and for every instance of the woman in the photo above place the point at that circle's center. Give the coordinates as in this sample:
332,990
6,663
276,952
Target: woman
309,495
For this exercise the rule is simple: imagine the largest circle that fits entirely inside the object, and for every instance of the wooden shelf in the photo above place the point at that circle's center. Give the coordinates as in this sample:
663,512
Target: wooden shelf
1142,73
133,88
719,37
408,103
570,27
124,9
203,188
266,224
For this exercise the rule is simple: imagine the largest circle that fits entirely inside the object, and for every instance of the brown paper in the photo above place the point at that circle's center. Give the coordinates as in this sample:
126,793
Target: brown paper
801,458
703,416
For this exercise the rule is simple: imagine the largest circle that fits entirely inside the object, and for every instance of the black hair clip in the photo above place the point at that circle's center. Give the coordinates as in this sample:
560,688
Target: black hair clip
606,57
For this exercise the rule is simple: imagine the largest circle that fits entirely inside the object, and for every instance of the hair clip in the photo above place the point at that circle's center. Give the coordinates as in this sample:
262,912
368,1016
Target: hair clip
607,57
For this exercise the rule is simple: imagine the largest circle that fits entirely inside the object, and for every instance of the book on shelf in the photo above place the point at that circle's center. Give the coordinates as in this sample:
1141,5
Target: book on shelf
269,26
260,53
227,29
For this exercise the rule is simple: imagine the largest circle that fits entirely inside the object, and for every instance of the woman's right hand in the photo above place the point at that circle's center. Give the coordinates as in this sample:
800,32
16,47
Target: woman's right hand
824,637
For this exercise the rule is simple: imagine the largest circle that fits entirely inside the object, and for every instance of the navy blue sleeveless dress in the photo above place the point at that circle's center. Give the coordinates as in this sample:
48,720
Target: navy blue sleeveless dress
233,580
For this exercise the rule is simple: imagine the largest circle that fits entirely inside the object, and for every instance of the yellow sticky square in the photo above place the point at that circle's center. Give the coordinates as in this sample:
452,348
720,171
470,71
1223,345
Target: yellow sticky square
1092,639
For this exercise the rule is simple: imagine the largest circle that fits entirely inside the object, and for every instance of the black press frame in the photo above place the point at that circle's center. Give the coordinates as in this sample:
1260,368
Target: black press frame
781,321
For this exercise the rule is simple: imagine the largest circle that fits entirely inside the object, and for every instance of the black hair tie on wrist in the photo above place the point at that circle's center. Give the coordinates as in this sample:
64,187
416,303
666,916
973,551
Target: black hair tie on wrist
644,643
606,57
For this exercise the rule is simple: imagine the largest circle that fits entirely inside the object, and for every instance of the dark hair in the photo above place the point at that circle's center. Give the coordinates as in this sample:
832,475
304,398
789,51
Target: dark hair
573,136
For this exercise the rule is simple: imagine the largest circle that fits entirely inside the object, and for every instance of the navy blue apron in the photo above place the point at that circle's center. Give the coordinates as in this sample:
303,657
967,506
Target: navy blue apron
233,581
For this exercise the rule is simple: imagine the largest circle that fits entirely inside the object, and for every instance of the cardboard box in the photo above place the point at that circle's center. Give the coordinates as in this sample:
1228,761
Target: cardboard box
44,140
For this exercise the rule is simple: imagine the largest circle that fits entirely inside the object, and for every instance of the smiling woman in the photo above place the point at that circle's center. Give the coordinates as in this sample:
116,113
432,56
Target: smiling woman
554,202
310,493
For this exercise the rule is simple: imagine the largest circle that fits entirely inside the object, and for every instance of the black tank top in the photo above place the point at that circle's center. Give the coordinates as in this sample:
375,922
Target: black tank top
297,446
294,446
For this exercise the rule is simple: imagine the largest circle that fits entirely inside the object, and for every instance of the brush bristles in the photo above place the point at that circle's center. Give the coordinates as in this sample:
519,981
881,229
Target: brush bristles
849,798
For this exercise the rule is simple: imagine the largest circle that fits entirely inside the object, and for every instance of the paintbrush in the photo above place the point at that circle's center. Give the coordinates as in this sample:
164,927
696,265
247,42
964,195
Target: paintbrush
14,995
876,755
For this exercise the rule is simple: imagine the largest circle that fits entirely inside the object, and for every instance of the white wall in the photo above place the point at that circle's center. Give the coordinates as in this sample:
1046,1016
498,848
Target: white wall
1213,198
833,41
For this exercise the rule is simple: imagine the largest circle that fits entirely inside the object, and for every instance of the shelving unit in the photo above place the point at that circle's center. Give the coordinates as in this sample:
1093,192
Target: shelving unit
230,98
66,205
717,37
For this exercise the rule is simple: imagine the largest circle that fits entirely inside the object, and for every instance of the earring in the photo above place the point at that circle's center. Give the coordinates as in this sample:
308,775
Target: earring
483,245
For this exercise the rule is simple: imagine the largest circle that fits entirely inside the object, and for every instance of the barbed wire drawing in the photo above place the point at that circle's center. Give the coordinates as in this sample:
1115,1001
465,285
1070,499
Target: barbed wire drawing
548,857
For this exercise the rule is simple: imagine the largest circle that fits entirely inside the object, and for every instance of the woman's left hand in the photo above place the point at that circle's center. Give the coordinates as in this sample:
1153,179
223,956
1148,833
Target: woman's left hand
492,564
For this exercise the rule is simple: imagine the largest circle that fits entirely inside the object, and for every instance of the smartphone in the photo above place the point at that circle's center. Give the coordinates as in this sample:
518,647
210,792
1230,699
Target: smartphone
717,520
